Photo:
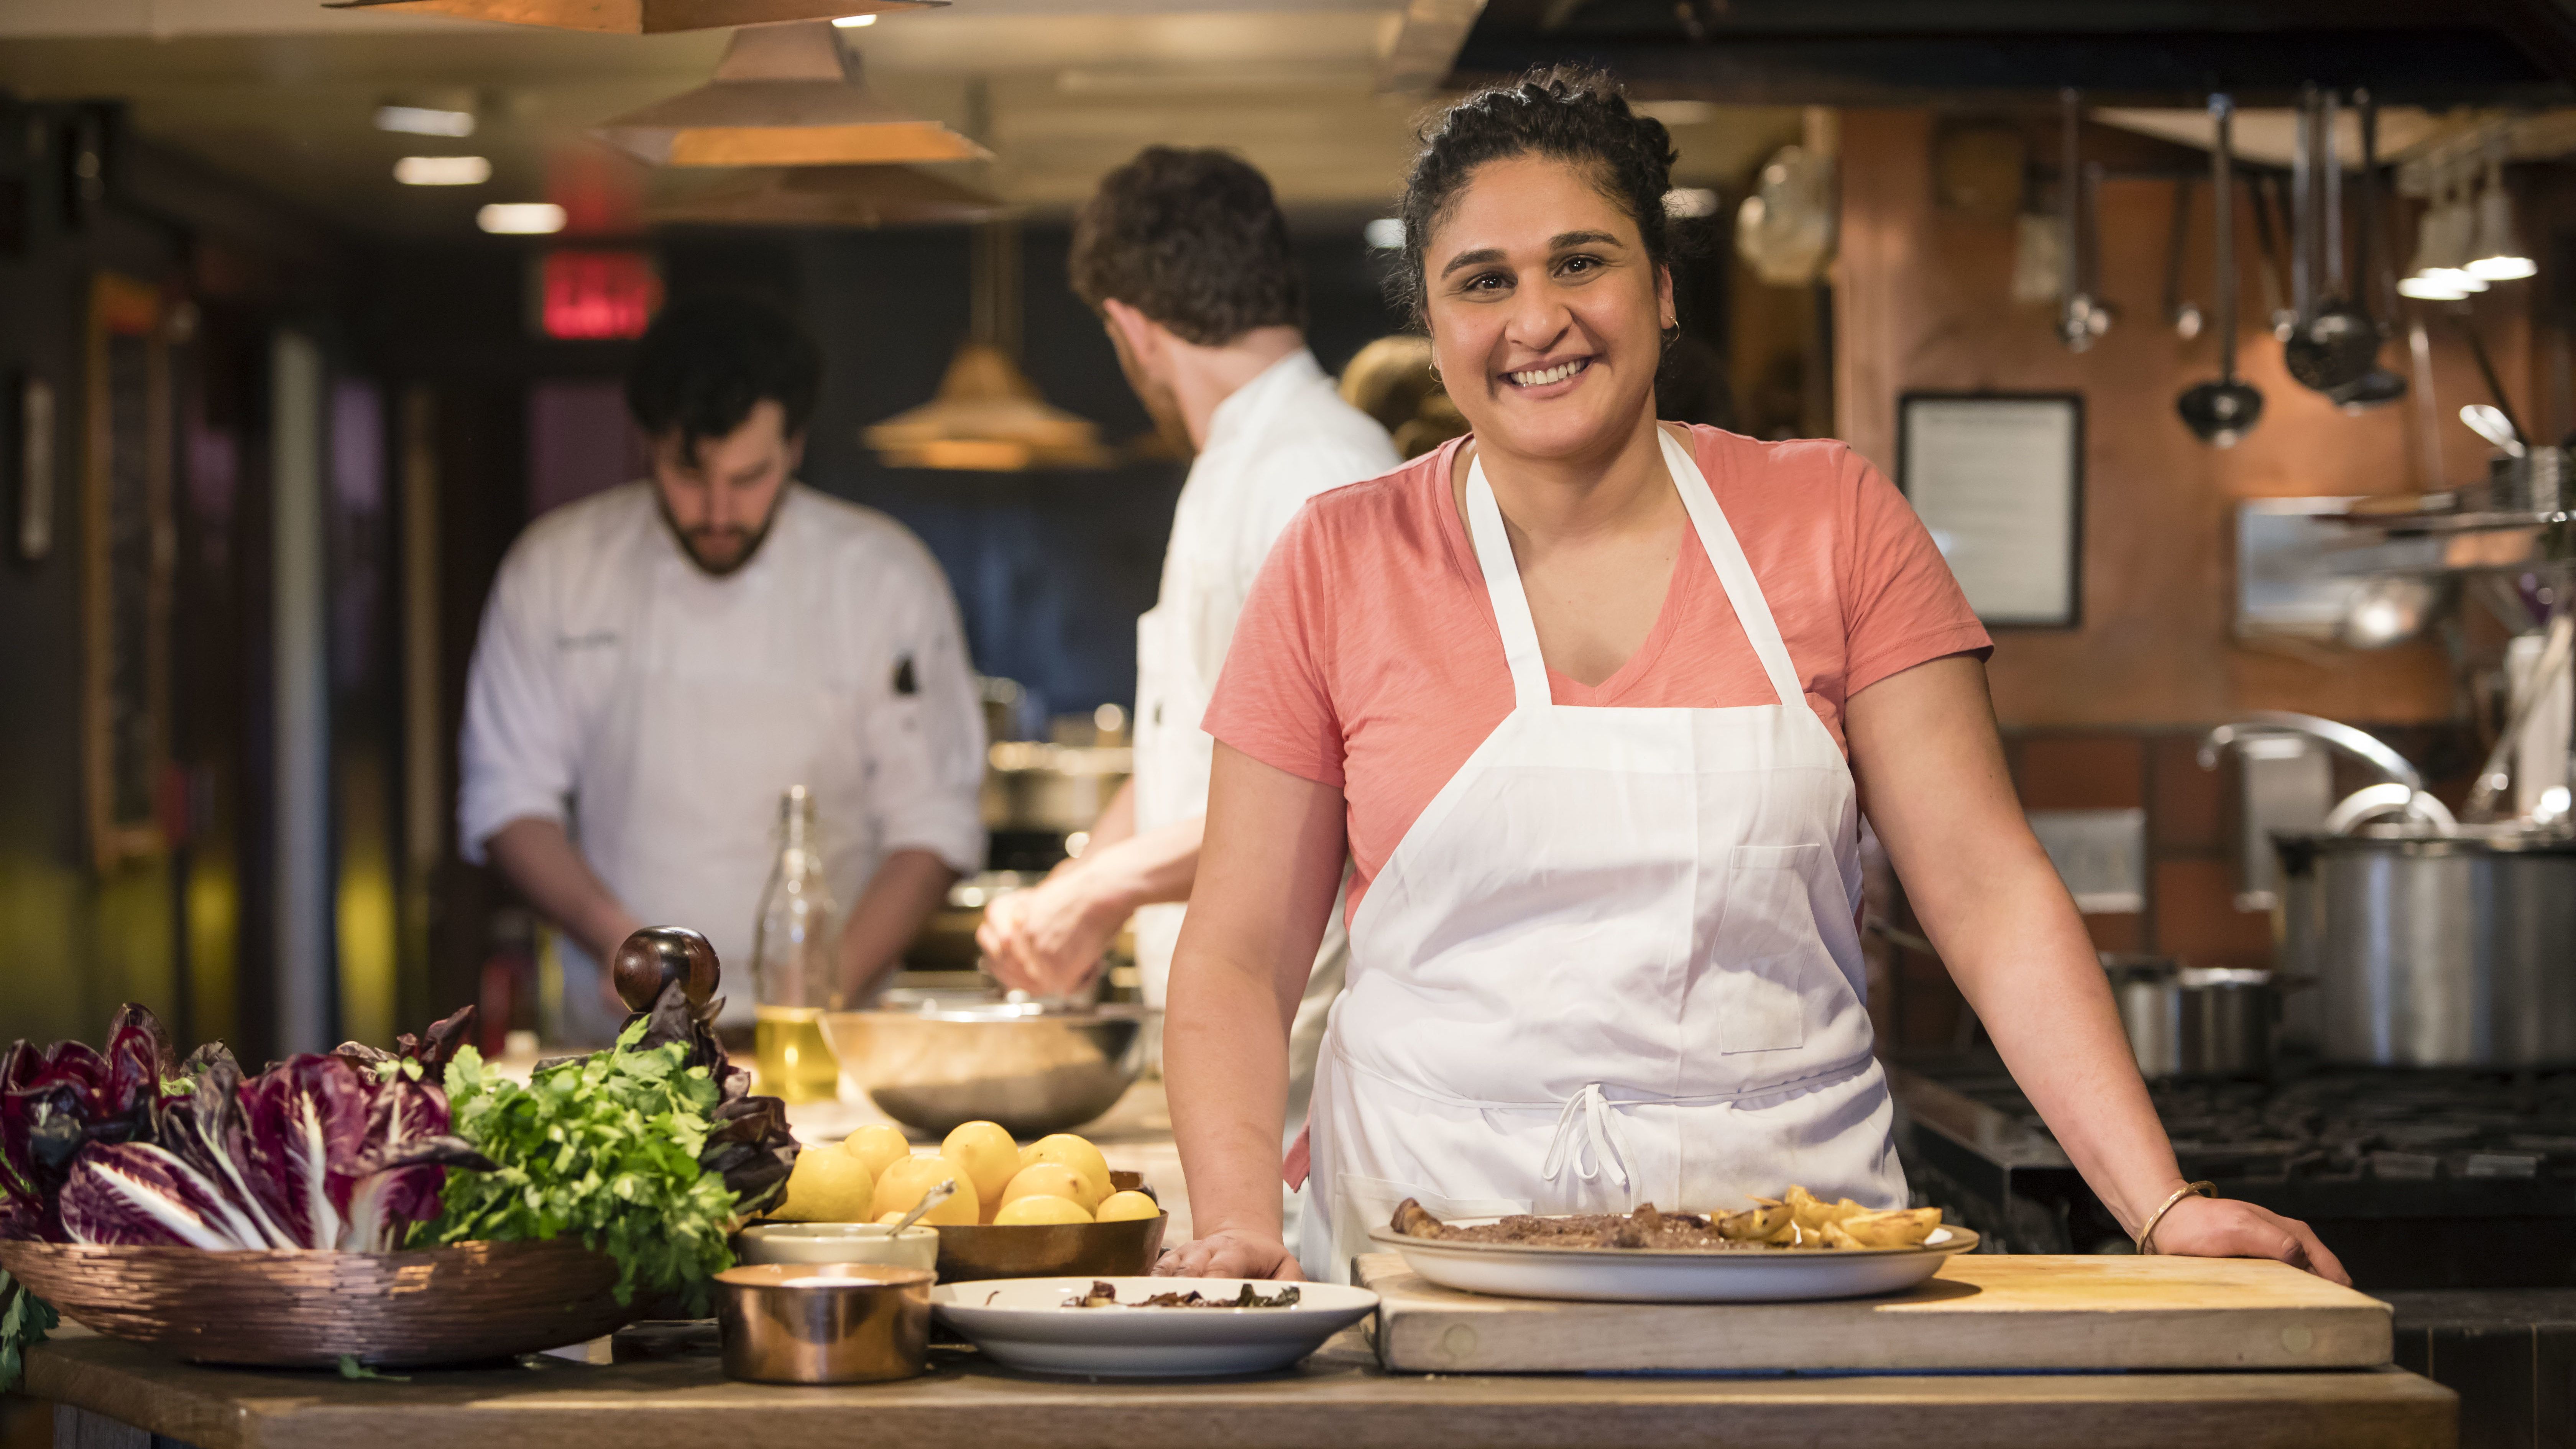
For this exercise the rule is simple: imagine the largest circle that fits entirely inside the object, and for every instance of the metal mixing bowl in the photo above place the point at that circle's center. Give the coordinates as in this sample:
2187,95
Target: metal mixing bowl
932,1060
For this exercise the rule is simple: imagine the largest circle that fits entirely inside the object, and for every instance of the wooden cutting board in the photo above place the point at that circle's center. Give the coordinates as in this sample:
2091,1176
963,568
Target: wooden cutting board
1984,1311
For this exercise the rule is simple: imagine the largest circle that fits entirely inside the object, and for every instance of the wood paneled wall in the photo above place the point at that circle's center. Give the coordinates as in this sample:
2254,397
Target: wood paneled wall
1923,302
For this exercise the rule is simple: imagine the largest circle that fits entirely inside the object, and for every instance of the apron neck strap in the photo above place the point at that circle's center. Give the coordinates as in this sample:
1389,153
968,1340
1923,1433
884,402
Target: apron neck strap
1734,574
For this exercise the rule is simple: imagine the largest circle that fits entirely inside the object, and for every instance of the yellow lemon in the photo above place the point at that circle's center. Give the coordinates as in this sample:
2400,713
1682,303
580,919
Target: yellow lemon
877,1145
1078,1154
1051,1179
1040,1208
1120,1206
988,1152
906,1179
826,1187
1028,1154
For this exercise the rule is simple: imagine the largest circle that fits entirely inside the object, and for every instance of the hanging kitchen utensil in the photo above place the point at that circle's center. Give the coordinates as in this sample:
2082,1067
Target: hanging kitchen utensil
637,17
2495,385
2183,316
2223,410
2378,385
784,95
2081,319
2495,425
2335,342
2278,318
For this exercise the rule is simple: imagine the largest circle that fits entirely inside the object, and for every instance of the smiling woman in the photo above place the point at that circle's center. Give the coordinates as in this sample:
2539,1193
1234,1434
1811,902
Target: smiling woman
1593,704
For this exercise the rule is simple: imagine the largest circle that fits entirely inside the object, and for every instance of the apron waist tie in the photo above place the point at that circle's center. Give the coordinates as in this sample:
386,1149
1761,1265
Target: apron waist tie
1586,1128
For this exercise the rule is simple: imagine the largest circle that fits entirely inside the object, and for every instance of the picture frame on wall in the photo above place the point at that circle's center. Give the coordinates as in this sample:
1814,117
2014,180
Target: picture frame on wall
1998,479
127,551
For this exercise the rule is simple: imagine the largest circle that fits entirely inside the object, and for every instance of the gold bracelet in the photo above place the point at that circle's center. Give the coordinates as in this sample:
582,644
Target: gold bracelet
2147,1235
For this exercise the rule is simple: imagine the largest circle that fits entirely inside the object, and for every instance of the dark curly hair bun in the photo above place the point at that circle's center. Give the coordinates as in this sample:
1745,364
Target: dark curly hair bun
1577,114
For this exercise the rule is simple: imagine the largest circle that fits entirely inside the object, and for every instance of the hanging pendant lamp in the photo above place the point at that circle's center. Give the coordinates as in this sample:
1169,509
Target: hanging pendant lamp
784,95
987,415
852,196
636,17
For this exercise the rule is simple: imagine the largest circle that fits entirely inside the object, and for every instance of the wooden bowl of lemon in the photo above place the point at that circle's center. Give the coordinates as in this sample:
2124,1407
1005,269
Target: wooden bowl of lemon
1050,1208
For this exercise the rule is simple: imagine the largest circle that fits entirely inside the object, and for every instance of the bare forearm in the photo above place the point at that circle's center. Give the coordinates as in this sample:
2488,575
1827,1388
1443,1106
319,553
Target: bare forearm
2020,954
543,864
1142,870
1117,818
890,910
1225,1055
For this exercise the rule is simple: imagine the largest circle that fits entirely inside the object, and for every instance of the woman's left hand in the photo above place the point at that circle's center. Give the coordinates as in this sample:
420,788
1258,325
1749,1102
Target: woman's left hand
2204,1227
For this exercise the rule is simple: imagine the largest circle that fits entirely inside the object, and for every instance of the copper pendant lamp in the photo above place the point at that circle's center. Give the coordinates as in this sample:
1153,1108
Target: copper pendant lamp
636,17
784,95
858,196
987,416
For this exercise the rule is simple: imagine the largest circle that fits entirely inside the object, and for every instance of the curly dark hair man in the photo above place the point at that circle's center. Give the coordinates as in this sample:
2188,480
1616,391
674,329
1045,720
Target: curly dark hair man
1192,239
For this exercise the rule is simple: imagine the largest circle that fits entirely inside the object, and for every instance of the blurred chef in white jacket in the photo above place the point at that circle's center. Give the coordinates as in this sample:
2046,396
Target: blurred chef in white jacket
659,662
1185,256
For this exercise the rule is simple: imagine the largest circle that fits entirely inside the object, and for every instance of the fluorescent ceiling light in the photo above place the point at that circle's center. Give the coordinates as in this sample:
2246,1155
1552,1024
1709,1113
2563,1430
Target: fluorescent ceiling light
521,218
854,22
442,171
1689,201
1385,234
424,121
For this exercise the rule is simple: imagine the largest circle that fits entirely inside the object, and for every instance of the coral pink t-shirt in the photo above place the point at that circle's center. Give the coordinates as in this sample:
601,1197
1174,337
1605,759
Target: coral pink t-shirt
1367,656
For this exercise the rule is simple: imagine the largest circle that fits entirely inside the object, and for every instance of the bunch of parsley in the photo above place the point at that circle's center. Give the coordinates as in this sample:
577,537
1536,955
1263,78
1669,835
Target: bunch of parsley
602,1147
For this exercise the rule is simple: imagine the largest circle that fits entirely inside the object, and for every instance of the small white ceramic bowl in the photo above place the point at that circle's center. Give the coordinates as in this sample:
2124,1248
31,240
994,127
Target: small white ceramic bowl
838,1243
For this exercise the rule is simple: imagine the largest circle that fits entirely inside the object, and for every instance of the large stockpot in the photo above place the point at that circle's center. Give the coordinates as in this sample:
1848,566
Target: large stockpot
2434,950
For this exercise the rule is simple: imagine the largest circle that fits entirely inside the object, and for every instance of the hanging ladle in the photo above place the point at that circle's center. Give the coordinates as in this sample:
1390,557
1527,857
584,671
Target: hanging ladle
2336,342
2379,385
2223,410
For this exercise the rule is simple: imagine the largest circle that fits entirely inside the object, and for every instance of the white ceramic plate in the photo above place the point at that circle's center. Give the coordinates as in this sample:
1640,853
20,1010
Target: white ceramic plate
1634,1275
1022,1323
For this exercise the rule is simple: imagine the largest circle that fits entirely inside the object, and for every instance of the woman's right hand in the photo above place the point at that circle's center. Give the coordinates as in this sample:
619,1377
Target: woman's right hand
1230,1253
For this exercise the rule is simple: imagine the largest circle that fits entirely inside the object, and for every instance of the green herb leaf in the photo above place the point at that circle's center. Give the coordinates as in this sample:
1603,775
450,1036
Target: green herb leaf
605,1148
24,1321
350,1368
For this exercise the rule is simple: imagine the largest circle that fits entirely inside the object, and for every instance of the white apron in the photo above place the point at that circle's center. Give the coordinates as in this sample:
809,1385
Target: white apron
1614,962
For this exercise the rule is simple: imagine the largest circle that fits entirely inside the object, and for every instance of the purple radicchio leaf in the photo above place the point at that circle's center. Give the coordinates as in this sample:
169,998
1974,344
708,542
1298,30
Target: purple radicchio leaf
207,1128
749,1145
394,1179
138,1060
305,1114
133,1194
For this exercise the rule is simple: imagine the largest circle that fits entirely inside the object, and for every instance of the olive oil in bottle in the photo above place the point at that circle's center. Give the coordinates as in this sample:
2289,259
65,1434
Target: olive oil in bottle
794,975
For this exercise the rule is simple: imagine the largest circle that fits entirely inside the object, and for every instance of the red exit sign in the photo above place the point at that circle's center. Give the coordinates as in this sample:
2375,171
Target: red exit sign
593,295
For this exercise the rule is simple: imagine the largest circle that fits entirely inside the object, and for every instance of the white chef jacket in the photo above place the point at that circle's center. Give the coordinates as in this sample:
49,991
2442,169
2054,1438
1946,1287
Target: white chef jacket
1277,441
659,711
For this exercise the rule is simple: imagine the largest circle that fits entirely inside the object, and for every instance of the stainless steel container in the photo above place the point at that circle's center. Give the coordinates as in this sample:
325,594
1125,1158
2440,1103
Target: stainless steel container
2435,951
824,1323
2185,1021
939,1059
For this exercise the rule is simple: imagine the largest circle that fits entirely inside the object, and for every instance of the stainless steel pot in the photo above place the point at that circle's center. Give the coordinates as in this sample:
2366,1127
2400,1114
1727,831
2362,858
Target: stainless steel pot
2185,1021
2434,951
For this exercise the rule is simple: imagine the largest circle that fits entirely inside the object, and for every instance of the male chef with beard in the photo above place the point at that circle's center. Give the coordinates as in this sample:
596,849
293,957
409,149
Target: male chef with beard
658,663
1185,256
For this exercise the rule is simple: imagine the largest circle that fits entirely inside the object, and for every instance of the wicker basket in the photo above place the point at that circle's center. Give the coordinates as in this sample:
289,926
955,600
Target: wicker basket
288,1309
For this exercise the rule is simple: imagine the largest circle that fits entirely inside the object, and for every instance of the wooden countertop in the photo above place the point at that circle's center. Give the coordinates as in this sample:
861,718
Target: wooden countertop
679,1399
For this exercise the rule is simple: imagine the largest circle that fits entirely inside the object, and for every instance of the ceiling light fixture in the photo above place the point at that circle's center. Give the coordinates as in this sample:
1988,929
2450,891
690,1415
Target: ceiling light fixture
784,95
2498,255
1386,234
521,218
424,121
987,415
442,171
636,17
860,196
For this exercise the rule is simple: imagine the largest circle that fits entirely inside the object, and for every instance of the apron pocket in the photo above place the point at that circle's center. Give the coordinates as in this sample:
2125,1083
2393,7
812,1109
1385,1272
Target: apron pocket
1765,942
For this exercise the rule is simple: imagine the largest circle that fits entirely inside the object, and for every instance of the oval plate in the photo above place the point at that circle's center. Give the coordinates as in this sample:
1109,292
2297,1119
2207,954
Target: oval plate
1022,1323
1651,1275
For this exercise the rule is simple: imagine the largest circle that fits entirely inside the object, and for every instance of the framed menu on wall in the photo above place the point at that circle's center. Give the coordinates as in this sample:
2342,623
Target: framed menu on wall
1998,478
